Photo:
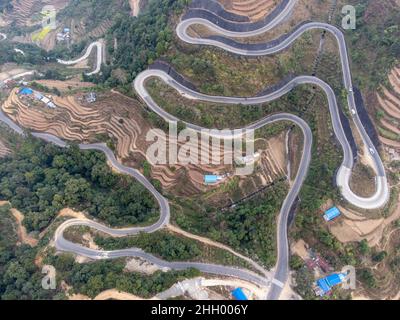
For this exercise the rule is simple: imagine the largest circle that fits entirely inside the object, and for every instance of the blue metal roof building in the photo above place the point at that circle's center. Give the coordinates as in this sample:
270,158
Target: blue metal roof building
26,91
326,284
331,214
323,285
238,294
210,179
335,279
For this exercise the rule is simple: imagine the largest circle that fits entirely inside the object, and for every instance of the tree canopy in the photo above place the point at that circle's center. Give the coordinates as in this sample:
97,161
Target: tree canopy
41,179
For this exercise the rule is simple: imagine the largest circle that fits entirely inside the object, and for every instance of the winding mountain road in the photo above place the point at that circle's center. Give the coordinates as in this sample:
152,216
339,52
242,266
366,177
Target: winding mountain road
232,29
99,59
225,28
64,245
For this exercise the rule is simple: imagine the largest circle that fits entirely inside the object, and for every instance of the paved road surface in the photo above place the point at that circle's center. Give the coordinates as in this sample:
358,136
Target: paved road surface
64,245
344,172
99,58
382,193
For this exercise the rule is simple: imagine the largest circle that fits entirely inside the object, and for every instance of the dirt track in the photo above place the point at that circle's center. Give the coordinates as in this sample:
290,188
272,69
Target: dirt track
135,6
21,230
22,234
118,295
213,244
205,283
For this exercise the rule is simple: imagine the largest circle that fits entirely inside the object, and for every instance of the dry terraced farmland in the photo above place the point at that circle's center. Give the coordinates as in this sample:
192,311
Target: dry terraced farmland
389,103
79,29
119,119
24,10
254,9
27,13
3,150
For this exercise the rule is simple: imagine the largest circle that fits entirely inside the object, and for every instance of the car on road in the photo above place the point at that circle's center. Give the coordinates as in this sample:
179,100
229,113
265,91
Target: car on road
371,150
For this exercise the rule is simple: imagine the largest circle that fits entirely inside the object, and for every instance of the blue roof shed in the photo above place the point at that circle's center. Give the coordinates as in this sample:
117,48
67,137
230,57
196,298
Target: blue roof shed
331,214
326,284
26,91
208,179
323,285
335,279
238,294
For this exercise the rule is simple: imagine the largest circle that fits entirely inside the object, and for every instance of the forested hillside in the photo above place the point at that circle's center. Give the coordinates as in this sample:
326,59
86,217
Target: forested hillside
33,54
140,40
21,276
376,39
41,179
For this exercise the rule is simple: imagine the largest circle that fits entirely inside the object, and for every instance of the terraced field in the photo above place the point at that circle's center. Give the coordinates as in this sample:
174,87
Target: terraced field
27,13
118,118
24,10
3,150
254,9
389,103
79,30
